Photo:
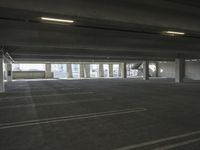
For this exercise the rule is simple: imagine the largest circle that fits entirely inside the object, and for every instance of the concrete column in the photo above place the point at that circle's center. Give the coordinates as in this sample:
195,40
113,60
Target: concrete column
81,71
87,70
146,70
179,70
157,68
69,71
101,71
123,70
110,70
9,72
48,73
5,72
2,86
120,70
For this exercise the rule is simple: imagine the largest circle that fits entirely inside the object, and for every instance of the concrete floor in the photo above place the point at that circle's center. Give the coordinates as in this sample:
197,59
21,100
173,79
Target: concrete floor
103,114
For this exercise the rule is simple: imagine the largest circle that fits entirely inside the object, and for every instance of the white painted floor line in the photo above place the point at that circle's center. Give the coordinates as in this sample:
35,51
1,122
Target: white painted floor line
178,144
54,103
70,118
19,97
158,141
41,90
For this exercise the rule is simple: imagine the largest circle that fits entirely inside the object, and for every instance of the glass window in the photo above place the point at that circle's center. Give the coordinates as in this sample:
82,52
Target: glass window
135,69
94,70
59,70
106,70
76,70
115,70
58,67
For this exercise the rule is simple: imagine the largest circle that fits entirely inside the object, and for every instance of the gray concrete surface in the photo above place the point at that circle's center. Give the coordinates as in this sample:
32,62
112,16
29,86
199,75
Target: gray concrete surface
192,70
103,114
29,74
166,69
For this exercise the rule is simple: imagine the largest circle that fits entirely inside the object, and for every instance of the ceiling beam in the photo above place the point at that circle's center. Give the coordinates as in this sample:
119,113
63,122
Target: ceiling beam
159,13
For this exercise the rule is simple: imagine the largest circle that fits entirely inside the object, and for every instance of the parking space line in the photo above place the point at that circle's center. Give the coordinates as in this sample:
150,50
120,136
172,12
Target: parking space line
53,103
40,90
33,96
178,144
158,141
70,118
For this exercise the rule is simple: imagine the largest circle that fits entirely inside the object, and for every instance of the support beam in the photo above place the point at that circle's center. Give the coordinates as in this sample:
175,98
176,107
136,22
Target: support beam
48,73
179,70
110,70
82,71
101,71
9,72
69,71
146,70
2,86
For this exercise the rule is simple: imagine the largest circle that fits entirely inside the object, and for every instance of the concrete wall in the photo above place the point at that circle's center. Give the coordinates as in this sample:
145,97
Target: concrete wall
192,70
166,69
28,74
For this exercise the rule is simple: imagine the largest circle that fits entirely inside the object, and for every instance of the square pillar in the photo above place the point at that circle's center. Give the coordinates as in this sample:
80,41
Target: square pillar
81,71
5,71
101,71
120,68
48,73
9,72
123,70
146,70
69,71
2,85
110,70
87,70
179,70
157,68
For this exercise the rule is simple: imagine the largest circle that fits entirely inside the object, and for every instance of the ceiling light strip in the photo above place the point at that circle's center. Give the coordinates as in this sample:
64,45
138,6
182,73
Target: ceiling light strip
57,20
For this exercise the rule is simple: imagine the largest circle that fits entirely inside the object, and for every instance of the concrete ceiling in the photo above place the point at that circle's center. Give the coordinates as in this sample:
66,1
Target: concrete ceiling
106,29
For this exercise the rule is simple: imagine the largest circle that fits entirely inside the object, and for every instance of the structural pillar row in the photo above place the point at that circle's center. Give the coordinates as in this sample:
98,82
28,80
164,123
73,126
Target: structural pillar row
110,70
2,86
101,71
69,71
48,73
146,70
179,70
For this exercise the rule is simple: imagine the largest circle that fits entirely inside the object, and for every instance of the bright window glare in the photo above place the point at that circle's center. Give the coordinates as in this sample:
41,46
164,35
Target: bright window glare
152,67
94,70
58,67
28,67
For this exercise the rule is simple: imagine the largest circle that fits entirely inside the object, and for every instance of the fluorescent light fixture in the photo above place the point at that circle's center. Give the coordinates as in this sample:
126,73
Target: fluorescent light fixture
173,33
57,20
